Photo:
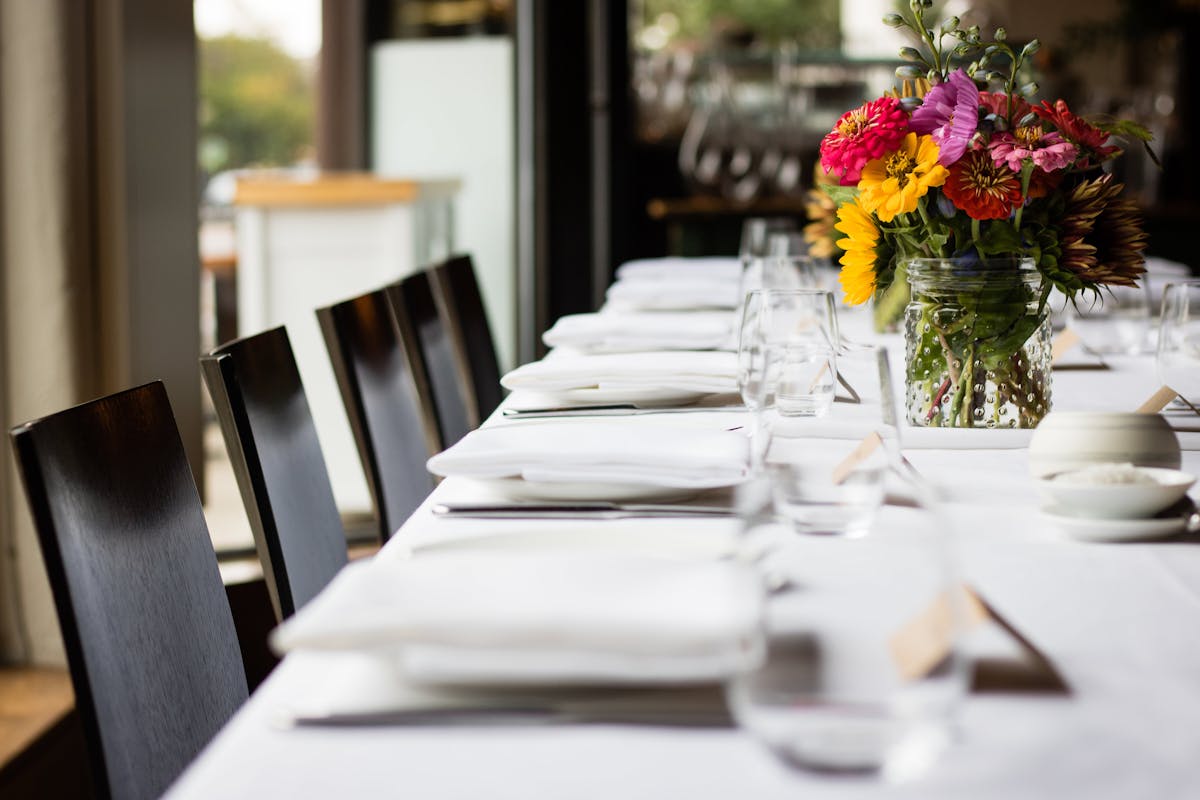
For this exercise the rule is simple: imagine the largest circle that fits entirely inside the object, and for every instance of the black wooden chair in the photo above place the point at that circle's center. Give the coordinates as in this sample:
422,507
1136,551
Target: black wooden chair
457,291
272,443
420,321
383,396
146,625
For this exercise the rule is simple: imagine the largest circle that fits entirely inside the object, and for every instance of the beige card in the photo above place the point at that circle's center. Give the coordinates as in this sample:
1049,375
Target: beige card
1064,342
924,642
1157,401
869,444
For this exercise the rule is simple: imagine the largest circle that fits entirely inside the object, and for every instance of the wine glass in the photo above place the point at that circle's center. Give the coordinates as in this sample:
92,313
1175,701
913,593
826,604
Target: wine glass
752,373
1113,324
1179,340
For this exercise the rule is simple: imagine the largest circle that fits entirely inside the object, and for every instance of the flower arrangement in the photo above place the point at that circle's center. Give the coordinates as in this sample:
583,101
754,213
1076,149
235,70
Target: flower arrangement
961,163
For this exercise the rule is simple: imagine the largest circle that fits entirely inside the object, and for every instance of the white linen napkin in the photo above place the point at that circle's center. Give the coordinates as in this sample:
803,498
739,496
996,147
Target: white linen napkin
530,618
661,294
623,332
600,451
701,372
722,268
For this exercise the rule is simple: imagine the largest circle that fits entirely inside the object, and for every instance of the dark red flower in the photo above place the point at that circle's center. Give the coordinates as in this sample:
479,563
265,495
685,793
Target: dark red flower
983,188
997,103
1088,137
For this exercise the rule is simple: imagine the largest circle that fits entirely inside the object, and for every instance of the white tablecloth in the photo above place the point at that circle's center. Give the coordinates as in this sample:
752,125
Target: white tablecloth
1120,622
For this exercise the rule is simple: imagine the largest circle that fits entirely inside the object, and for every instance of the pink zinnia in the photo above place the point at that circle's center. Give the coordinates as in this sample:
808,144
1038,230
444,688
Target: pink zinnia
861,135
1048,151
950,114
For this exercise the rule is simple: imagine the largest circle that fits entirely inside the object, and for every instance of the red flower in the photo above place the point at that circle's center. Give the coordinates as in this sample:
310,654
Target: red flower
982,188
1089,138
861,135
997,103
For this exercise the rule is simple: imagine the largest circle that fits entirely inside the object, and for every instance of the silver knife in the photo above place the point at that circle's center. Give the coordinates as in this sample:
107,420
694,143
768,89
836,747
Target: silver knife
613,410
588,510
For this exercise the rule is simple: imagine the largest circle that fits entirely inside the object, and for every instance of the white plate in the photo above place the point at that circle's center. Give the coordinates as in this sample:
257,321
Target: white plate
1118,500
643,397
551,491
1116,530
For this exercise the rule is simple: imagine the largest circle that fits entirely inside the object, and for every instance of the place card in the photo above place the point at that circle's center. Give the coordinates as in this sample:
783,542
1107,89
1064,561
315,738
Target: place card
1064,342
862,451
923,643
1157,401
1067,343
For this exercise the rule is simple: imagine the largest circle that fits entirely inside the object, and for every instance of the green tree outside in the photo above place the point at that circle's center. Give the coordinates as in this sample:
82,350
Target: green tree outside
256,105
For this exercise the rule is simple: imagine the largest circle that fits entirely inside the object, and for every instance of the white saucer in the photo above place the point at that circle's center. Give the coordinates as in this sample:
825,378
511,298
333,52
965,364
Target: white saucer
1116,530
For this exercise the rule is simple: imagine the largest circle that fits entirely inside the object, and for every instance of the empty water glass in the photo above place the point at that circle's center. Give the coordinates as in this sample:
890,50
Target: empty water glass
800,331
862,672
807,376
1179,339
830,472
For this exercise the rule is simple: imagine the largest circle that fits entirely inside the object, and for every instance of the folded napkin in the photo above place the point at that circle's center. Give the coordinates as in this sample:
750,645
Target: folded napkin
530,618
605,451
702,372
722,268
669,294
622,332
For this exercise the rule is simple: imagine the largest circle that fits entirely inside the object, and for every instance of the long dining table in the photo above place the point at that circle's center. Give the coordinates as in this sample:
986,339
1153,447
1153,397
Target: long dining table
1119,622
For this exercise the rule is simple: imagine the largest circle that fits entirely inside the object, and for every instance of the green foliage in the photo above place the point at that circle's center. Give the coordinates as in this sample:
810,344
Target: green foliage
811,23
256,105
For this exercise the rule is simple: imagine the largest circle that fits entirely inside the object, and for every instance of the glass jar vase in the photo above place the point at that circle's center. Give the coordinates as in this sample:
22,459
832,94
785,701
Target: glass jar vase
977,344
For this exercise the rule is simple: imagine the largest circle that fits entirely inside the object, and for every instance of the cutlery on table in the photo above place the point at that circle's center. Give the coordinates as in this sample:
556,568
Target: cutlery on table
589,510
609,410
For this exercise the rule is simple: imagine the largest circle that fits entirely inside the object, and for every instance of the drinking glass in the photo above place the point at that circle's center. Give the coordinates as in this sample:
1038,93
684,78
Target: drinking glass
1113,323
1179,339
754,248
757,231
753,383
829,472
800,332
862,672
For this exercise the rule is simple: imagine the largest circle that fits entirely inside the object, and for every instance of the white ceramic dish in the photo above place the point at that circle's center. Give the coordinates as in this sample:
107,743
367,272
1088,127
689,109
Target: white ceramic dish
1116,530
567,491
1072,439
1116,501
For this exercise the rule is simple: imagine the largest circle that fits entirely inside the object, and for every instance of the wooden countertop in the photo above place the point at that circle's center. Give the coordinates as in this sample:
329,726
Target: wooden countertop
333,189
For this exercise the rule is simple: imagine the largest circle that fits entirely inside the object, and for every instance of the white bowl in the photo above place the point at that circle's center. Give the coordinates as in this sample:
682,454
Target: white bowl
1067,440
1118,500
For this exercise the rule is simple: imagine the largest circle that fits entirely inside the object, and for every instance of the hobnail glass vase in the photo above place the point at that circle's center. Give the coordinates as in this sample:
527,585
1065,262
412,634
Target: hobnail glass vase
977,344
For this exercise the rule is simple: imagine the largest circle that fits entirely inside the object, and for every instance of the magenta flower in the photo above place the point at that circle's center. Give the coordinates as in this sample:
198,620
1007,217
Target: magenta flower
950,114
861,135
1049,151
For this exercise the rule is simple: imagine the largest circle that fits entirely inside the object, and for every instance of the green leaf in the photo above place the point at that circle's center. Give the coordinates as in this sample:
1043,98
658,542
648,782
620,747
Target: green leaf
840,194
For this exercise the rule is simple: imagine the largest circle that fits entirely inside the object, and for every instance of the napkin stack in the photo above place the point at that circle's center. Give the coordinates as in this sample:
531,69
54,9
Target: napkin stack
627,332
470,618
702,373
670,294
610,451
719,268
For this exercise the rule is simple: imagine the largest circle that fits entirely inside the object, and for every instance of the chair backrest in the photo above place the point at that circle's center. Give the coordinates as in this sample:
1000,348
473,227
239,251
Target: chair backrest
146,624
383,397
419,320
461,303
272,443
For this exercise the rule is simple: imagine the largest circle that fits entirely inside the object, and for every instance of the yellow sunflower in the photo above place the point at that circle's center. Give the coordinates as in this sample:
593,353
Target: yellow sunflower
858,261
893,184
